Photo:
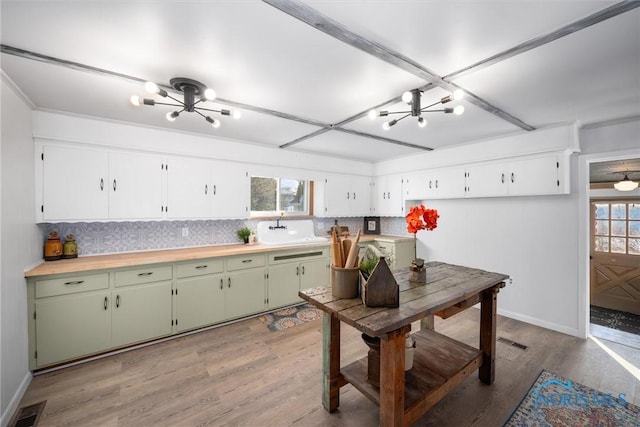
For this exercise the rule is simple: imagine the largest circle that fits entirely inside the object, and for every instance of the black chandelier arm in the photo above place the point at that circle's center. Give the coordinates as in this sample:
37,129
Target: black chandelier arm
169,104
201,115
403,117
175,99
443,110
432,105
209,109
388,113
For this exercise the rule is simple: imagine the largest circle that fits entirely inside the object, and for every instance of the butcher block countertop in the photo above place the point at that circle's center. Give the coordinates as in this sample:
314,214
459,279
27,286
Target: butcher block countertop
133,259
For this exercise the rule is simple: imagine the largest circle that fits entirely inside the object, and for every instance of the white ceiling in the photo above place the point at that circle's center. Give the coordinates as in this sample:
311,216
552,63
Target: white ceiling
280,68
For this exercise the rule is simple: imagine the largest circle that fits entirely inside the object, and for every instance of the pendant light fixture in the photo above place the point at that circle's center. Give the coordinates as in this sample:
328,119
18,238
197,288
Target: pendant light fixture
194,93
625,184
413,98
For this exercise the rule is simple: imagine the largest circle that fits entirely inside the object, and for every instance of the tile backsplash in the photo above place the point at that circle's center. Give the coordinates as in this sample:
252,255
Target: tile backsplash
96,238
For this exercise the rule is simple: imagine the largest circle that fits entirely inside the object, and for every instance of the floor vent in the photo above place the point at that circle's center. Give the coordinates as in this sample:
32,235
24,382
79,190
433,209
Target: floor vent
512,343
28,416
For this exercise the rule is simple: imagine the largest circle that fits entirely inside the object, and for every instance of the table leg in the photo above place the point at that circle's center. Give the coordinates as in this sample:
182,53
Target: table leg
330,362
392,378
487,371
428,323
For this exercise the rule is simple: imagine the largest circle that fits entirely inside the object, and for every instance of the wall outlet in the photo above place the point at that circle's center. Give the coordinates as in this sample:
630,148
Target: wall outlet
185,231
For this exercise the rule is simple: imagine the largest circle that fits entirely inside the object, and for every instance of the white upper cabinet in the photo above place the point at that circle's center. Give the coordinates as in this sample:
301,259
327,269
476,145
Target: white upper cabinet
82,184
524,177
135,186
74,184
189,188
387,197
444,183
342,195
231,193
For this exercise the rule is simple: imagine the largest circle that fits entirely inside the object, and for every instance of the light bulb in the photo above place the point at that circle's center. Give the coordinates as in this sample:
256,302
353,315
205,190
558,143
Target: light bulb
385,126
214,123
210,94
236,114
407,97
372,114
458,94
135,100
422,122
171,116
151,87
458,109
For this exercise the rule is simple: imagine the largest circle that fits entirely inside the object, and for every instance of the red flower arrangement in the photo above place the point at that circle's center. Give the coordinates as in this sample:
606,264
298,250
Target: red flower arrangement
421,218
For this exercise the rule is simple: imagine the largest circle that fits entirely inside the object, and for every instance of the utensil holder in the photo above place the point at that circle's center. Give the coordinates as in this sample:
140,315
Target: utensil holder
344,282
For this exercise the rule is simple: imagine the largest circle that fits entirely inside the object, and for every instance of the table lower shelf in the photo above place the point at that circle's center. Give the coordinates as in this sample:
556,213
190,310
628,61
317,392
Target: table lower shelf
440,363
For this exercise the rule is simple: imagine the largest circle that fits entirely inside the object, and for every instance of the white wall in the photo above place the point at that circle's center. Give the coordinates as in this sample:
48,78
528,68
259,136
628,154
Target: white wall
21,245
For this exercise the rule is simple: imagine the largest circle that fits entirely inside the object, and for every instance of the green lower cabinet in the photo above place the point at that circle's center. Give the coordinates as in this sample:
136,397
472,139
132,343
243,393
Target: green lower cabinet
315,274
141,313
245,292
284,284
71,326
199,301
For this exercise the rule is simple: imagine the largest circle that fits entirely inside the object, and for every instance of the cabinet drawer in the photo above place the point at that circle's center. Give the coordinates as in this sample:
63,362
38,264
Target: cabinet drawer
297,256
143,275
242,262
199,268
70,285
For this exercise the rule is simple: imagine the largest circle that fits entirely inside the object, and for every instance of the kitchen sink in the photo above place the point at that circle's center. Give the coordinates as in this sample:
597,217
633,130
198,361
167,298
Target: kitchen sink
279,232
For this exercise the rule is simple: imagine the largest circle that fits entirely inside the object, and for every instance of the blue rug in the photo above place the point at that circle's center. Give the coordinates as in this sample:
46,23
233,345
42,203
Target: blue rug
289,317
556,401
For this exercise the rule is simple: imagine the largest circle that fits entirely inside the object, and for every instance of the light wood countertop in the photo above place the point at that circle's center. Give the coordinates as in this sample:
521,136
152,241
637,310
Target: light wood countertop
133,259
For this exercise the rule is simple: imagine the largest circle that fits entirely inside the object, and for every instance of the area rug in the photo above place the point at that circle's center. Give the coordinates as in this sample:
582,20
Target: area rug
615,319
556,401
290,317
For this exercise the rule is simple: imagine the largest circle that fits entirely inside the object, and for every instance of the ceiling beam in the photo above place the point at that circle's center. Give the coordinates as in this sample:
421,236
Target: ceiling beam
338,31
566,30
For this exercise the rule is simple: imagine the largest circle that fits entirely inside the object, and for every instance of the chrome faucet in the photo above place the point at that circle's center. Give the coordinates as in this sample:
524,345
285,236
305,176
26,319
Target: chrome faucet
277,226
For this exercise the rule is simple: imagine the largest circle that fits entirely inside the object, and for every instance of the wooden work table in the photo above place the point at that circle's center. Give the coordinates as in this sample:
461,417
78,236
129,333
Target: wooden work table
440,363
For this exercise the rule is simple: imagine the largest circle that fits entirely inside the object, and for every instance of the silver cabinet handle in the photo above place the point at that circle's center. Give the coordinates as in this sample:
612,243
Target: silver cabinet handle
303,270
436,183
513,177
502,178
384,196
221,283
206,189
114,185
389,195
348,195
106,303
297,271
429,184
215,189
354,196
77,282
117,301
101,184
229,281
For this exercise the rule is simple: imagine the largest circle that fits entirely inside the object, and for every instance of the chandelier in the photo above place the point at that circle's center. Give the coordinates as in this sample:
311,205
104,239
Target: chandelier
413,98
194,93
625,184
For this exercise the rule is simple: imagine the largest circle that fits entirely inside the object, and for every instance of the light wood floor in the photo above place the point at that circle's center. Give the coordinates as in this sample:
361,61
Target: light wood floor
245,375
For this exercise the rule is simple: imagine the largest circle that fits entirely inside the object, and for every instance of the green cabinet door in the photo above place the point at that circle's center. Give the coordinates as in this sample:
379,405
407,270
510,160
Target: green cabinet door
314,274
199,301
72,326
284,284
141,313
245,292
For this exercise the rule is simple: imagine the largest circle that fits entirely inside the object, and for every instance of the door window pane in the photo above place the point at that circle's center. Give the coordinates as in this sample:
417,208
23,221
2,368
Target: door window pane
618,245
619,211
634,211
602,228
602,244
634,246
634,228
618,228
602,211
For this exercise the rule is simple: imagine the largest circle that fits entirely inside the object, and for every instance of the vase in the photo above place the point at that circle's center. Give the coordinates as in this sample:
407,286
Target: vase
417,274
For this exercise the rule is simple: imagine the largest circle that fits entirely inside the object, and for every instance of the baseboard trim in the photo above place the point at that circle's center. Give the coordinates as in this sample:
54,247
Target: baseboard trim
5,419
542,323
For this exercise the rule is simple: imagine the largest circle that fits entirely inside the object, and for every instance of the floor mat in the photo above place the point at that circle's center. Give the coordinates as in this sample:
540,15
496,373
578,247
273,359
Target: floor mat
614,319
290,317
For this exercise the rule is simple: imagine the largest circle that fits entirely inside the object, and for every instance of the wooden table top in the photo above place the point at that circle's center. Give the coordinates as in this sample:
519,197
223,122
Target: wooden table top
446,285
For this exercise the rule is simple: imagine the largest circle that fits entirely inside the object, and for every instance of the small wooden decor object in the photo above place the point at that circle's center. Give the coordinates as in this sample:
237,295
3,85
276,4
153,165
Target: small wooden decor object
381,288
